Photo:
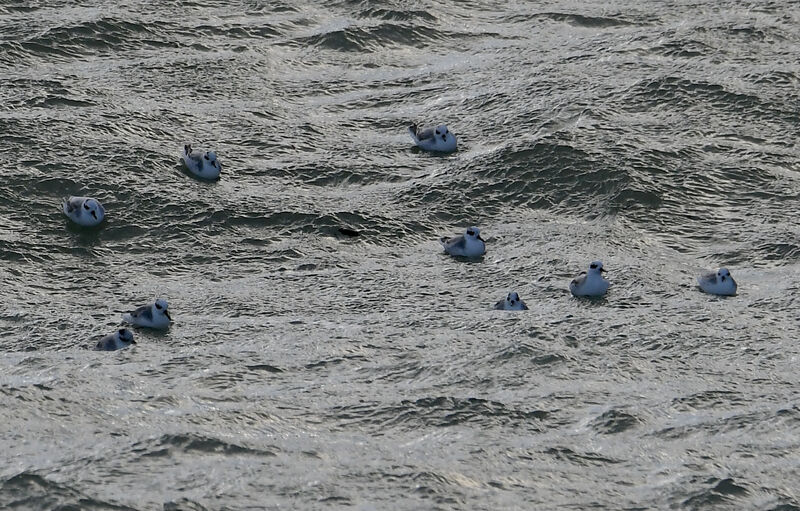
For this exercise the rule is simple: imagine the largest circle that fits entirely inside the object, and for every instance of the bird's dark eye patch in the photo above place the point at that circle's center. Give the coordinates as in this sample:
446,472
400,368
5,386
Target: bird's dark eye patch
593,266
122,332
85,206
158,307
471,233
437,132
205,156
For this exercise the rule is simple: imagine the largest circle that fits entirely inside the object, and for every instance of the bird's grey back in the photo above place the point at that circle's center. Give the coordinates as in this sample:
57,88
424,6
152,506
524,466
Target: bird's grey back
73,203
106,343
458,242
196,156
708,277
579,280
145,311
425,134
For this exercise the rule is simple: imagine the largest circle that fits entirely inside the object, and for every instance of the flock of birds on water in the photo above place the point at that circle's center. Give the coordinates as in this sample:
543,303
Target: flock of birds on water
89,212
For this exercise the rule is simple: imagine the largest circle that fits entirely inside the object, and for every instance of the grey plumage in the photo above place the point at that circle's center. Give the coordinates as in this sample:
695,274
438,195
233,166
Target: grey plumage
150,316
194,154
204,165
580,279
122,338
456,242
72,206
85,211
708,277
502,305
425,134
107,343
145,311
512,301
436,139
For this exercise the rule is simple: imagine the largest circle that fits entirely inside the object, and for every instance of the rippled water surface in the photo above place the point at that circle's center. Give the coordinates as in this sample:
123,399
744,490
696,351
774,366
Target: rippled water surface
311,368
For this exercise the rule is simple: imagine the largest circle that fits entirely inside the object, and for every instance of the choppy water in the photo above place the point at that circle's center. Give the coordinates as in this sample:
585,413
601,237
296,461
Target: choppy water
311,370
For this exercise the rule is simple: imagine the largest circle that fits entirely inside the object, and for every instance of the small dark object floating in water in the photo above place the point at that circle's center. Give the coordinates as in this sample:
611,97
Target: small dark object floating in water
348,232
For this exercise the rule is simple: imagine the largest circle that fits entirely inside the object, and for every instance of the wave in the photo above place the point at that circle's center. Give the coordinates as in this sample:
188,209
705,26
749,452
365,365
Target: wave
547,174
105,35
716,492
192,443
438,412
584,21
31,491
676,93
184,504
615,421
583,459
369,39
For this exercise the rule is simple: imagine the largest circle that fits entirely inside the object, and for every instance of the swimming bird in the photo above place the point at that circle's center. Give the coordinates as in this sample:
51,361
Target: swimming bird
590,283
470,244
438,139
122,338
512,303
719,283
202,165
85,211
154,315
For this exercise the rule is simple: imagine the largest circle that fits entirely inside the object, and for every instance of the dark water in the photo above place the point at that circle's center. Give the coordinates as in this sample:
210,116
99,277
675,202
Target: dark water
307,369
